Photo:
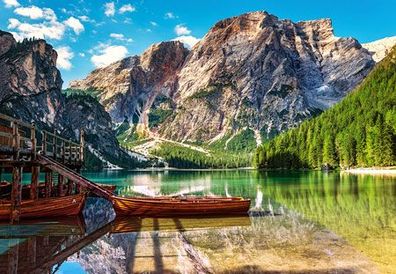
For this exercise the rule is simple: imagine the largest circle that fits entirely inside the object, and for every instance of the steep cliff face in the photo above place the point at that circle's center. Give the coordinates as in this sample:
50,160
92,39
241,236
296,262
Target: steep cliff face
30,83
129,87
30,89
256,71
251,73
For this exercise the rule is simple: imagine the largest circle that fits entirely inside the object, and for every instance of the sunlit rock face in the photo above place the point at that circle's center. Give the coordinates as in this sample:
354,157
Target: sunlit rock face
129,87
251,71
267,74
380,48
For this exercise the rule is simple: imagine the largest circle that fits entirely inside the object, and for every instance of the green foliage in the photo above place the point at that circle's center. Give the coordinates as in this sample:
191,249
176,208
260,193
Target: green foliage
158,116
358,131
183,157
91,92
243,141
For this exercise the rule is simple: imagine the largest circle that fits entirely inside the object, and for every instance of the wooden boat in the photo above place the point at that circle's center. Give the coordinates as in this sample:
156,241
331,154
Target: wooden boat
47,207
166,207
110,188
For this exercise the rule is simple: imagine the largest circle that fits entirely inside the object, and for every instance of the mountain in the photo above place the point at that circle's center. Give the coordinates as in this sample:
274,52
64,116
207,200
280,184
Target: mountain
380,48
30,89
250,77
128,88
359,131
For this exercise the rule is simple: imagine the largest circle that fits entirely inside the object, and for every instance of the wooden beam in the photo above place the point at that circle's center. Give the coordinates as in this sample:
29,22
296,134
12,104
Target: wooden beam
60,185
82,145
34,183
16,193
34,141
48,183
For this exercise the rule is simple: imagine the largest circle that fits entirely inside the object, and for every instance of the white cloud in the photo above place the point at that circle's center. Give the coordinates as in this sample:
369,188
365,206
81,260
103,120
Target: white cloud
121,37
65,54
11,3
84,18
109,9
188,40
182,30
46,30
108,55
81,54
74,24
34,12
154,24
170,15
126,8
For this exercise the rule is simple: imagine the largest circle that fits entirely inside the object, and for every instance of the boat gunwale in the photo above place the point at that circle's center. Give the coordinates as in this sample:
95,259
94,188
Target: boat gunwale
197,200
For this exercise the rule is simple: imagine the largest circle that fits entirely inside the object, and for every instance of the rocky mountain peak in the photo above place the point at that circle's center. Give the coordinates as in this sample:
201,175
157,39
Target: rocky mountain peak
253,72
162,55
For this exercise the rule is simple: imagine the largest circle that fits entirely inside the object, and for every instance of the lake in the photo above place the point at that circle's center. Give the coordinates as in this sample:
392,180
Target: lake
305,222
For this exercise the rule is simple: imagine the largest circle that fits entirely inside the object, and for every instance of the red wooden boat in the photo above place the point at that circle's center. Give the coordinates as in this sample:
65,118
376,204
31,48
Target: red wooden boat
47,207
166,207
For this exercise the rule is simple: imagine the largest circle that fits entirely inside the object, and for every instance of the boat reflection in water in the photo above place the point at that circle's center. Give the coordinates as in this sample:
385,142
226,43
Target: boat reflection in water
45,246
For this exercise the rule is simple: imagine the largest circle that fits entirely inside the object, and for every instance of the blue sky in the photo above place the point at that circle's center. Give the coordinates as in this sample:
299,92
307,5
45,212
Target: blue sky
91,33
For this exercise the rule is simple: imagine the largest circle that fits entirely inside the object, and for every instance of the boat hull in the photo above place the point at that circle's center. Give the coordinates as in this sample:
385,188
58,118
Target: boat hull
46,207
167,207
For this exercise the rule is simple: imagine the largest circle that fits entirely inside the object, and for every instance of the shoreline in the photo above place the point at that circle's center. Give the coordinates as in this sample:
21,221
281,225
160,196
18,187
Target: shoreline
386,171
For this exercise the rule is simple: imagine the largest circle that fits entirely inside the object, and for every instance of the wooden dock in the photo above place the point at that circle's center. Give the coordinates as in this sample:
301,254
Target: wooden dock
24,148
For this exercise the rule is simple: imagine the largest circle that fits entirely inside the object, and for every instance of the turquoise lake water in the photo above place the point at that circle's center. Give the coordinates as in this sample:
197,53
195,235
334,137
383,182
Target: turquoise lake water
315,222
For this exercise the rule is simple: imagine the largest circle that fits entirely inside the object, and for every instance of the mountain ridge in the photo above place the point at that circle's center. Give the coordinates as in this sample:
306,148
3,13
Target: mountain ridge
250,72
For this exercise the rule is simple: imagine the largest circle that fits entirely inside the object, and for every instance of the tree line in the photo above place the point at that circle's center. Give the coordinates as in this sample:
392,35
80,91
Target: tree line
360,131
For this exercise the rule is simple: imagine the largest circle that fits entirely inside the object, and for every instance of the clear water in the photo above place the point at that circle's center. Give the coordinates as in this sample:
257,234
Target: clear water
315,222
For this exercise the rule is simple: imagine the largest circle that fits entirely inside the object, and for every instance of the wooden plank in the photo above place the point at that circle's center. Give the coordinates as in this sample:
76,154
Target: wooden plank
74,176
16,193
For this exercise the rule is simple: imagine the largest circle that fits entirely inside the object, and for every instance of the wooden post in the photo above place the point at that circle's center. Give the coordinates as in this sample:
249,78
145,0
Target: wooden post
82,145
70,153
69,187
60,185
16,141
13,256
34,183
44,144
63,151
54,145
32,250
48,183
34,141
16,193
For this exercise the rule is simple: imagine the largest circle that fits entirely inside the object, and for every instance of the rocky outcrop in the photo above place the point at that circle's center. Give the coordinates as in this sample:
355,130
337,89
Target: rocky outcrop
30,89
251,72
129,87
380,48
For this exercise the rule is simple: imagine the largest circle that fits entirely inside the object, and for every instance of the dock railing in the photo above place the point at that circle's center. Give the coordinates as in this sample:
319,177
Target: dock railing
21,139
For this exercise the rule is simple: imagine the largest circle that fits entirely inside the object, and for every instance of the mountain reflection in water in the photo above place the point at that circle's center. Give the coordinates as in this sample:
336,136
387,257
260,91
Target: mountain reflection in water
315,223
